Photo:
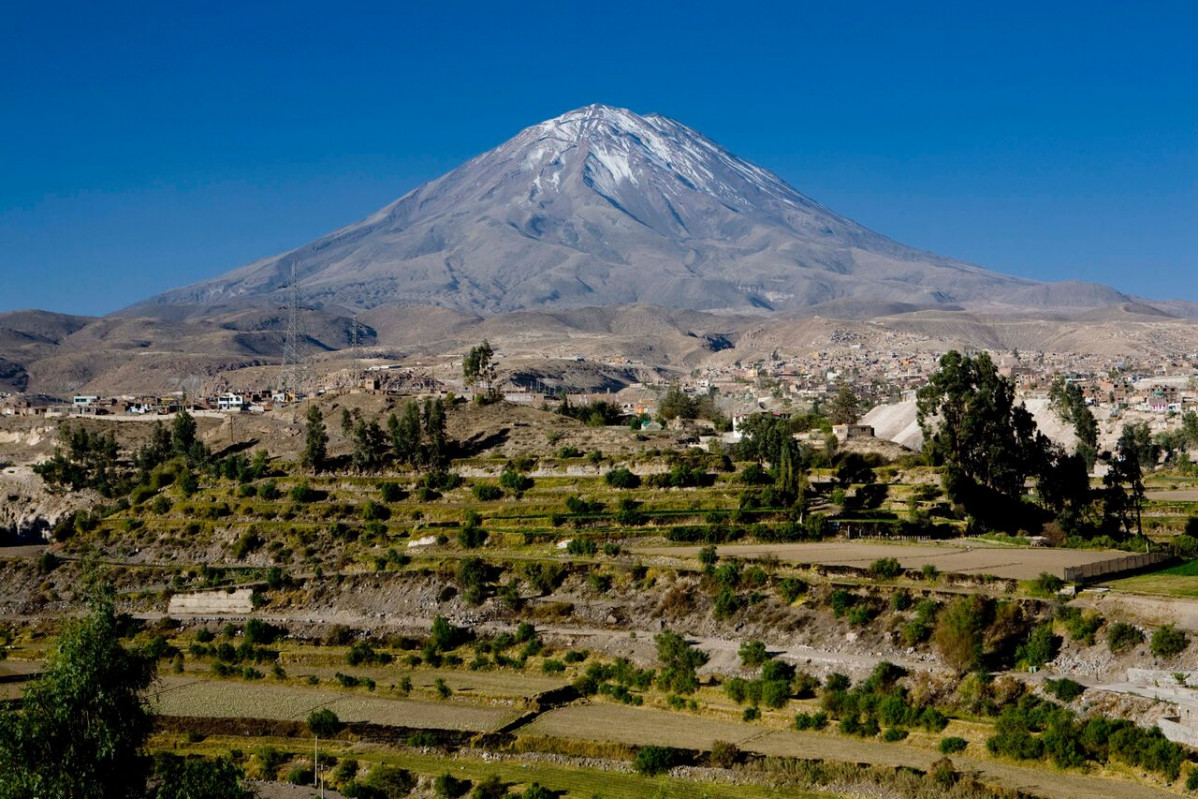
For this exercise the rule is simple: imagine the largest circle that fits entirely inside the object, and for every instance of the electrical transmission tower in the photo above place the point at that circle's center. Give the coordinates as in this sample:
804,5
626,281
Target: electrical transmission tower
292,361
356,345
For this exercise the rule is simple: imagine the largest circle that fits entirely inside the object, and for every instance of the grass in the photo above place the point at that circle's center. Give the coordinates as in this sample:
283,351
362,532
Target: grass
1176,581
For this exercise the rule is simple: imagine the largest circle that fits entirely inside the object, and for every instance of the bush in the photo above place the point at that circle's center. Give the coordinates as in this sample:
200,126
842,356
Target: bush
1039,648
485,492
448,786
490,788
1047,584
622,478
300,776
1064,689
654,760
1121,636
324,723
724,754
791,588
1082,627
811,721
302,493
515,482
753,653
952,745
894,735
885,569
1168,642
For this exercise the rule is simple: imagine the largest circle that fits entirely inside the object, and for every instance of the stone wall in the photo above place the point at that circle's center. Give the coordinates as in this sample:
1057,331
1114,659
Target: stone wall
239,602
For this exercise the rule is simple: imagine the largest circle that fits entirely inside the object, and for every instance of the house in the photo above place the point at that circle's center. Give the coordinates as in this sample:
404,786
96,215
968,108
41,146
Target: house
845,432
230,402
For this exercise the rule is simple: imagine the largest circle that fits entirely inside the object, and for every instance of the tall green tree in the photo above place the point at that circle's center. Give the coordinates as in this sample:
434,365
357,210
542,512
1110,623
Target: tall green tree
1123,484
83,723
477,363
676,404
1069,402
436,442
988,445
316,439
370,446
405,433
846,406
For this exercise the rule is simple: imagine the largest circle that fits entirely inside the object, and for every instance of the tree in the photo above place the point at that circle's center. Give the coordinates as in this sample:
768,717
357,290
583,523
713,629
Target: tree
192,777
988,444
1069,402
958,636
323,723
679,662
435,453
317,440
405,434
477,363
370,448
1123,484
676,404
83,724
846,406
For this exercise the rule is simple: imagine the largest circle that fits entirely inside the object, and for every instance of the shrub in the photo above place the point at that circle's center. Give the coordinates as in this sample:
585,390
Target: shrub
811,721
448,786
724,754
536,791
1047,584
952,745
1039,648
653,760
840,601
324,723
300,776
885,569
375,512
622,478
485,492
1082,627
582,546
1121,636
958,633
791,588
515,482
753,653
1167,642
894,734
302,492
1064,689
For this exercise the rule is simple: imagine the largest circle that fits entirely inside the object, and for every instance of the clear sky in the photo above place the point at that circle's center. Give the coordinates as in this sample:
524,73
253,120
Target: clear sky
148,145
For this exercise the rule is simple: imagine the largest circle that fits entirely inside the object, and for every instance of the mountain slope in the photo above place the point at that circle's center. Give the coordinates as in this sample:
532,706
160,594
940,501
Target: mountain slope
603,207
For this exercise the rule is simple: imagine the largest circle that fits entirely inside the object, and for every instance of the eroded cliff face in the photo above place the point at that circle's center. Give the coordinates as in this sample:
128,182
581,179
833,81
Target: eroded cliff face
28,511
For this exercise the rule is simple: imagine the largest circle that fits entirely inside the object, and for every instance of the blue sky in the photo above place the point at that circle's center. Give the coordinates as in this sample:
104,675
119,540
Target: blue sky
148,145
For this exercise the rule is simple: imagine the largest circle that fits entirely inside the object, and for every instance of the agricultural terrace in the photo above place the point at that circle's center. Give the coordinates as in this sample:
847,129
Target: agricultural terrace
583,601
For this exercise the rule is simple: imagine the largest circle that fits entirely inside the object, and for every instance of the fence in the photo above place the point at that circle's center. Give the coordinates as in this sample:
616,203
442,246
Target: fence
1107,568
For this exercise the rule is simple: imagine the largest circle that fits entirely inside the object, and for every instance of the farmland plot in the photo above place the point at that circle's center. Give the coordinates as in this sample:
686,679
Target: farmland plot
209,699
1017,563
